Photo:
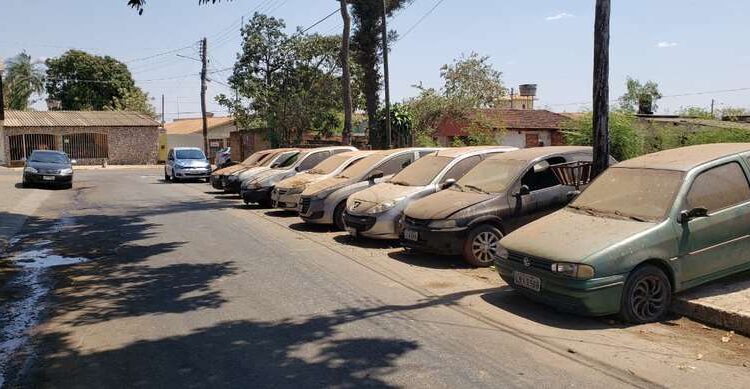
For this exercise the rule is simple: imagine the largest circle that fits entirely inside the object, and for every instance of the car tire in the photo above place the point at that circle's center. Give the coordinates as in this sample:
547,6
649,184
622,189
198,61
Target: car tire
338,216
68,186
166,176
265,203
208,180
482,243
646,295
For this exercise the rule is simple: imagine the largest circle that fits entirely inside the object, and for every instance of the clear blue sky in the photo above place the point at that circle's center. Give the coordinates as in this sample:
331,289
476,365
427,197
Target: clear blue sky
686,46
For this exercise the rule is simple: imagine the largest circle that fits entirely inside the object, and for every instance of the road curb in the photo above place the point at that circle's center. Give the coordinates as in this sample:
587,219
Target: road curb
725,304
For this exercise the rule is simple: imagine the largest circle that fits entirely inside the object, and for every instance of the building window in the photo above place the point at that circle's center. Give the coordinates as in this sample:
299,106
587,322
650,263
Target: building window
86,146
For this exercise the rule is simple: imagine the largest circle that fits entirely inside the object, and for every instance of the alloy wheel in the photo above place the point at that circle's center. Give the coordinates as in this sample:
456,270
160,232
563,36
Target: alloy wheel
649,298
485,246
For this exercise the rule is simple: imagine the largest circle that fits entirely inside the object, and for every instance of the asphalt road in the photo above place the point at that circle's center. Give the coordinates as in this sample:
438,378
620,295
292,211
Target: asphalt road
183,287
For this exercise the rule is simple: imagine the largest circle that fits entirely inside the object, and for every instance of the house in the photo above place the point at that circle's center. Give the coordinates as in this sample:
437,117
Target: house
523,128
90,137
189,133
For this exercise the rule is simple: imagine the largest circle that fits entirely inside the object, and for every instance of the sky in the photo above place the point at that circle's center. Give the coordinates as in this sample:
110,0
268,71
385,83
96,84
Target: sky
695,50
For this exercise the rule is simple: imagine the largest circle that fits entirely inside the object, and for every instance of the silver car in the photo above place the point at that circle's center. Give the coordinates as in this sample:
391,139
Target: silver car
324,202
233,181
376,212
186,163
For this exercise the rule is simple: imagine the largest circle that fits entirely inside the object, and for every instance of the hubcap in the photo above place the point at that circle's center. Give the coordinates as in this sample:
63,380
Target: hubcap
485,247
648,298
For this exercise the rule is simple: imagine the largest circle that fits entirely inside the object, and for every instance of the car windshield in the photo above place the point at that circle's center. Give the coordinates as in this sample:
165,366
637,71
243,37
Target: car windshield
638,194
362,167
491,176
421,172
288,159
46,157
189,154
329,165
255,158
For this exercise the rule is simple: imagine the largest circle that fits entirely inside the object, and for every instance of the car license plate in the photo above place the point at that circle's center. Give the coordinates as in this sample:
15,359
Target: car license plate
527,281
411,235
48,178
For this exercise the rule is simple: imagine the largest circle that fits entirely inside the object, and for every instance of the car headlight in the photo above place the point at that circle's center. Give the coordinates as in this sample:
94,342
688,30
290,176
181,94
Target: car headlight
66,172
574,270
382,207
29,169
322,195
444,224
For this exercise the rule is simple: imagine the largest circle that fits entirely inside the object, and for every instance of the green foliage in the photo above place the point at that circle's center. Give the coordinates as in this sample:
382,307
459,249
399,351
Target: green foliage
402,123
86,82
731,113
639,97
625,141
473,79
695,112
23,78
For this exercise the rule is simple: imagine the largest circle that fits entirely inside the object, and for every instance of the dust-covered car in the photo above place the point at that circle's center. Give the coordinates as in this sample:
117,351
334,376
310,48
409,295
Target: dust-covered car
376,211
645,228
218,176
233,181
497,196
324,202
287,192
258,188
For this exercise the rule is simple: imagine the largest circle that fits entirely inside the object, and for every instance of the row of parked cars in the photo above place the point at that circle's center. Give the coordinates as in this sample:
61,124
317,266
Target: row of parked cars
644,229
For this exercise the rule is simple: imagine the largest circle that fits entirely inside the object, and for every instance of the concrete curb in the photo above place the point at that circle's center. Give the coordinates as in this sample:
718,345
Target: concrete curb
724,303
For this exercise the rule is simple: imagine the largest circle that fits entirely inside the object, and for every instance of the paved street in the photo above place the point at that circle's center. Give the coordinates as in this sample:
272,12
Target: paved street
175,285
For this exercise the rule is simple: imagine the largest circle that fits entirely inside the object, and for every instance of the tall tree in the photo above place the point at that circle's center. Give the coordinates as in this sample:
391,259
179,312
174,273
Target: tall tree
23,79
640,97
474,79
86,82
346,79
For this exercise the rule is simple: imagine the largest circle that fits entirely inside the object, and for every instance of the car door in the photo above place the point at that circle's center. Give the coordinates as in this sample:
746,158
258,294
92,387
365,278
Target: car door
545,195
720,241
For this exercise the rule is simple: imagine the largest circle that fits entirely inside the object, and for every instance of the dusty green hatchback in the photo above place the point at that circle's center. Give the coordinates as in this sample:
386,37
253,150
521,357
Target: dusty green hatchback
645,228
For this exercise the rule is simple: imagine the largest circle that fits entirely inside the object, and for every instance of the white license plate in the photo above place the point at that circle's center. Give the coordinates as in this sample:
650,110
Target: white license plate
411,235
48,178
527,281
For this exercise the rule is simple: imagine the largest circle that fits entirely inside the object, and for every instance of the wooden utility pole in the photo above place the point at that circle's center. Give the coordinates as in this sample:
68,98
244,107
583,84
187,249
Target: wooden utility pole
204,87
163,118
386,80
601,87
713,103
2,98
346,86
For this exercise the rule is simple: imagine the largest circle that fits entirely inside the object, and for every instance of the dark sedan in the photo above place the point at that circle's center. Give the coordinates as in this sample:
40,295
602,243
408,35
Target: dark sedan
47,167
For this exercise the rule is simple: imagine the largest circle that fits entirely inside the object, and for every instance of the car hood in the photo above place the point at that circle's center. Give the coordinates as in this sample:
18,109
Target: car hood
570,236
382,193
192,162
445,203
330,183
253,170
229,170
48,166
300,181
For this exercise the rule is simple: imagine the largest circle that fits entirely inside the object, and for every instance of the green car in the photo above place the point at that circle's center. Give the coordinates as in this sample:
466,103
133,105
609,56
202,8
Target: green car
644,229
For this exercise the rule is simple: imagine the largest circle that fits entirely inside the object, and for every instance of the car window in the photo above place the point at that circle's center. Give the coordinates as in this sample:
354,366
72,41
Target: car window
425,152
718,188
46,157
542,180
190,154
395,164
462,167
313,160
339,151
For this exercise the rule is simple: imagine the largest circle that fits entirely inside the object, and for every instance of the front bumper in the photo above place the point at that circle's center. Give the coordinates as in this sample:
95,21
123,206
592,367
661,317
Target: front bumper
260,195
314,211
57,179
594,297
377,226
232,184
447,241
196,173
280,198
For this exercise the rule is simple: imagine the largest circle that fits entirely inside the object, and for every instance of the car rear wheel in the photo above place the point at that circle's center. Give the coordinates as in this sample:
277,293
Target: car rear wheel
338,216
166,176
646,296
482,246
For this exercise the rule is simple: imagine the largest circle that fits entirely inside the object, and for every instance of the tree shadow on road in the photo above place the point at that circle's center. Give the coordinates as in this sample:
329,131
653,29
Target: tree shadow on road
366,242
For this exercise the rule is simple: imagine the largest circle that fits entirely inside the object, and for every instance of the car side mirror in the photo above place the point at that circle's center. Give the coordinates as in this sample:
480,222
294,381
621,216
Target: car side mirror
447,184
523,191
697,212
374,176
275,165
541,167
573,194
73,162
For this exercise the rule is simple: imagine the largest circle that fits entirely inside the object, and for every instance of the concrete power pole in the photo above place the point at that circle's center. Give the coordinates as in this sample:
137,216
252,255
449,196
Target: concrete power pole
386,80
601,87
346,86
204,86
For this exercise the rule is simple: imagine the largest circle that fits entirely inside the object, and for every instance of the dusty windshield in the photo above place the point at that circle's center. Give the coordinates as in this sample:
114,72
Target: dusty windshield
491,176
421,172
638,194
361,167
255,158
287,159
329,165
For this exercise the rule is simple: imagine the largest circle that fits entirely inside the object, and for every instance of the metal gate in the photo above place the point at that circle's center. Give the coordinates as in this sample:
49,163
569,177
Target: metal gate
85,146
21,146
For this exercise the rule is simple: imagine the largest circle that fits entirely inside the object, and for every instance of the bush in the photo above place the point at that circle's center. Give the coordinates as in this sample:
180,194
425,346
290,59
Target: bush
625,141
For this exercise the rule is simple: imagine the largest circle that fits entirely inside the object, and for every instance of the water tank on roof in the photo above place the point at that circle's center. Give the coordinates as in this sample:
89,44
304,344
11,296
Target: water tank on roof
527,90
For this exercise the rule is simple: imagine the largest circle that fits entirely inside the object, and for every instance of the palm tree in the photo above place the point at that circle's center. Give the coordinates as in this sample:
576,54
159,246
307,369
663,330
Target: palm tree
23,78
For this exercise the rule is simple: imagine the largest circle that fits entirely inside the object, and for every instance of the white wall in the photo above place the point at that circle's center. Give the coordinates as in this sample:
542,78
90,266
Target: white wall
513,138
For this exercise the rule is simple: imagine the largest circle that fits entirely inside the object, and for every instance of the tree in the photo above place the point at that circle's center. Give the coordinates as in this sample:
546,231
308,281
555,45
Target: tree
23,79
474,79
731,113
346,79
86,82
640,97
139,4
625,141
401,124
695,112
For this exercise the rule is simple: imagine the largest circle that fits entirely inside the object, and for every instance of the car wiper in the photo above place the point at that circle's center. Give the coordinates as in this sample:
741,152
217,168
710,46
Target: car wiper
588,210
399,183
475,188
631,217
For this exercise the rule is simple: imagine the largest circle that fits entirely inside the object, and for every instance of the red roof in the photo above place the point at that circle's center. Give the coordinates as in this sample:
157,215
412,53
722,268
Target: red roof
513,119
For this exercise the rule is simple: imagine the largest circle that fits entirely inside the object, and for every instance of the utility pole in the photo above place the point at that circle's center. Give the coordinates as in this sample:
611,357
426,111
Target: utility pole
386,80
346,87
163,118
713,102
204,86
601,87
2,98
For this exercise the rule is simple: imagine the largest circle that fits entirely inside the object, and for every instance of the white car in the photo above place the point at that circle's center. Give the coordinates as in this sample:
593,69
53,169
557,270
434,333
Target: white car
186,163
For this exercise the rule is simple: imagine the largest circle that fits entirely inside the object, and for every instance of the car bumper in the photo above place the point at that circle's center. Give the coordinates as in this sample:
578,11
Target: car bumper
196,173
256,195
56,179
314,211
232,185
283,200
447,241
594,297
381,226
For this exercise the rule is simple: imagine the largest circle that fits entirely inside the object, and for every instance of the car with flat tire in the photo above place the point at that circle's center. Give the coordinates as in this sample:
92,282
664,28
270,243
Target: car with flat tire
186,163
644,229
48,168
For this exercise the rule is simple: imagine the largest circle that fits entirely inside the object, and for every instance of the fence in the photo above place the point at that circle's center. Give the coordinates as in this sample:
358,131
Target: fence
21,146
77,146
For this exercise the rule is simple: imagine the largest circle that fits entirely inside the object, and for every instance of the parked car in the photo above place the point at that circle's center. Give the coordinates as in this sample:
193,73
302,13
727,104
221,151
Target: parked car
186,163
494,198
48,167
644,229
218,176
233,181
258,188
376,211
324,202
287,192
223,158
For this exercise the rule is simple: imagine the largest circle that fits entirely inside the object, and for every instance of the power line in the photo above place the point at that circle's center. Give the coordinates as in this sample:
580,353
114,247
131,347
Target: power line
162,53
664,97
425,16
320,21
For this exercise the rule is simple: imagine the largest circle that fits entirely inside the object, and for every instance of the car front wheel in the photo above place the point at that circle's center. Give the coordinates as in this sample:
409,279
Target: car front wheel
646,296
166,176
482,246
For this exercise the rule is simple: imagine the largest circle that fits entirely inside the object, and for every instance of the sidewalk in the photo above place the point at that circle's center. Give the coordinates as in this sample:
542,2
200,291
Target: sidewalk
724,303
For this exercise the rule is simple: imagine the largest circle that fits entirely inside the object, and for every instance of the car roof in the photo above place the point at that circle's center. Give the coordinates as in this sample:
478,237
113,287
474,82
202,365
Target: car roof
48,151
357,153
533,153
685,158
187,148
459,151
